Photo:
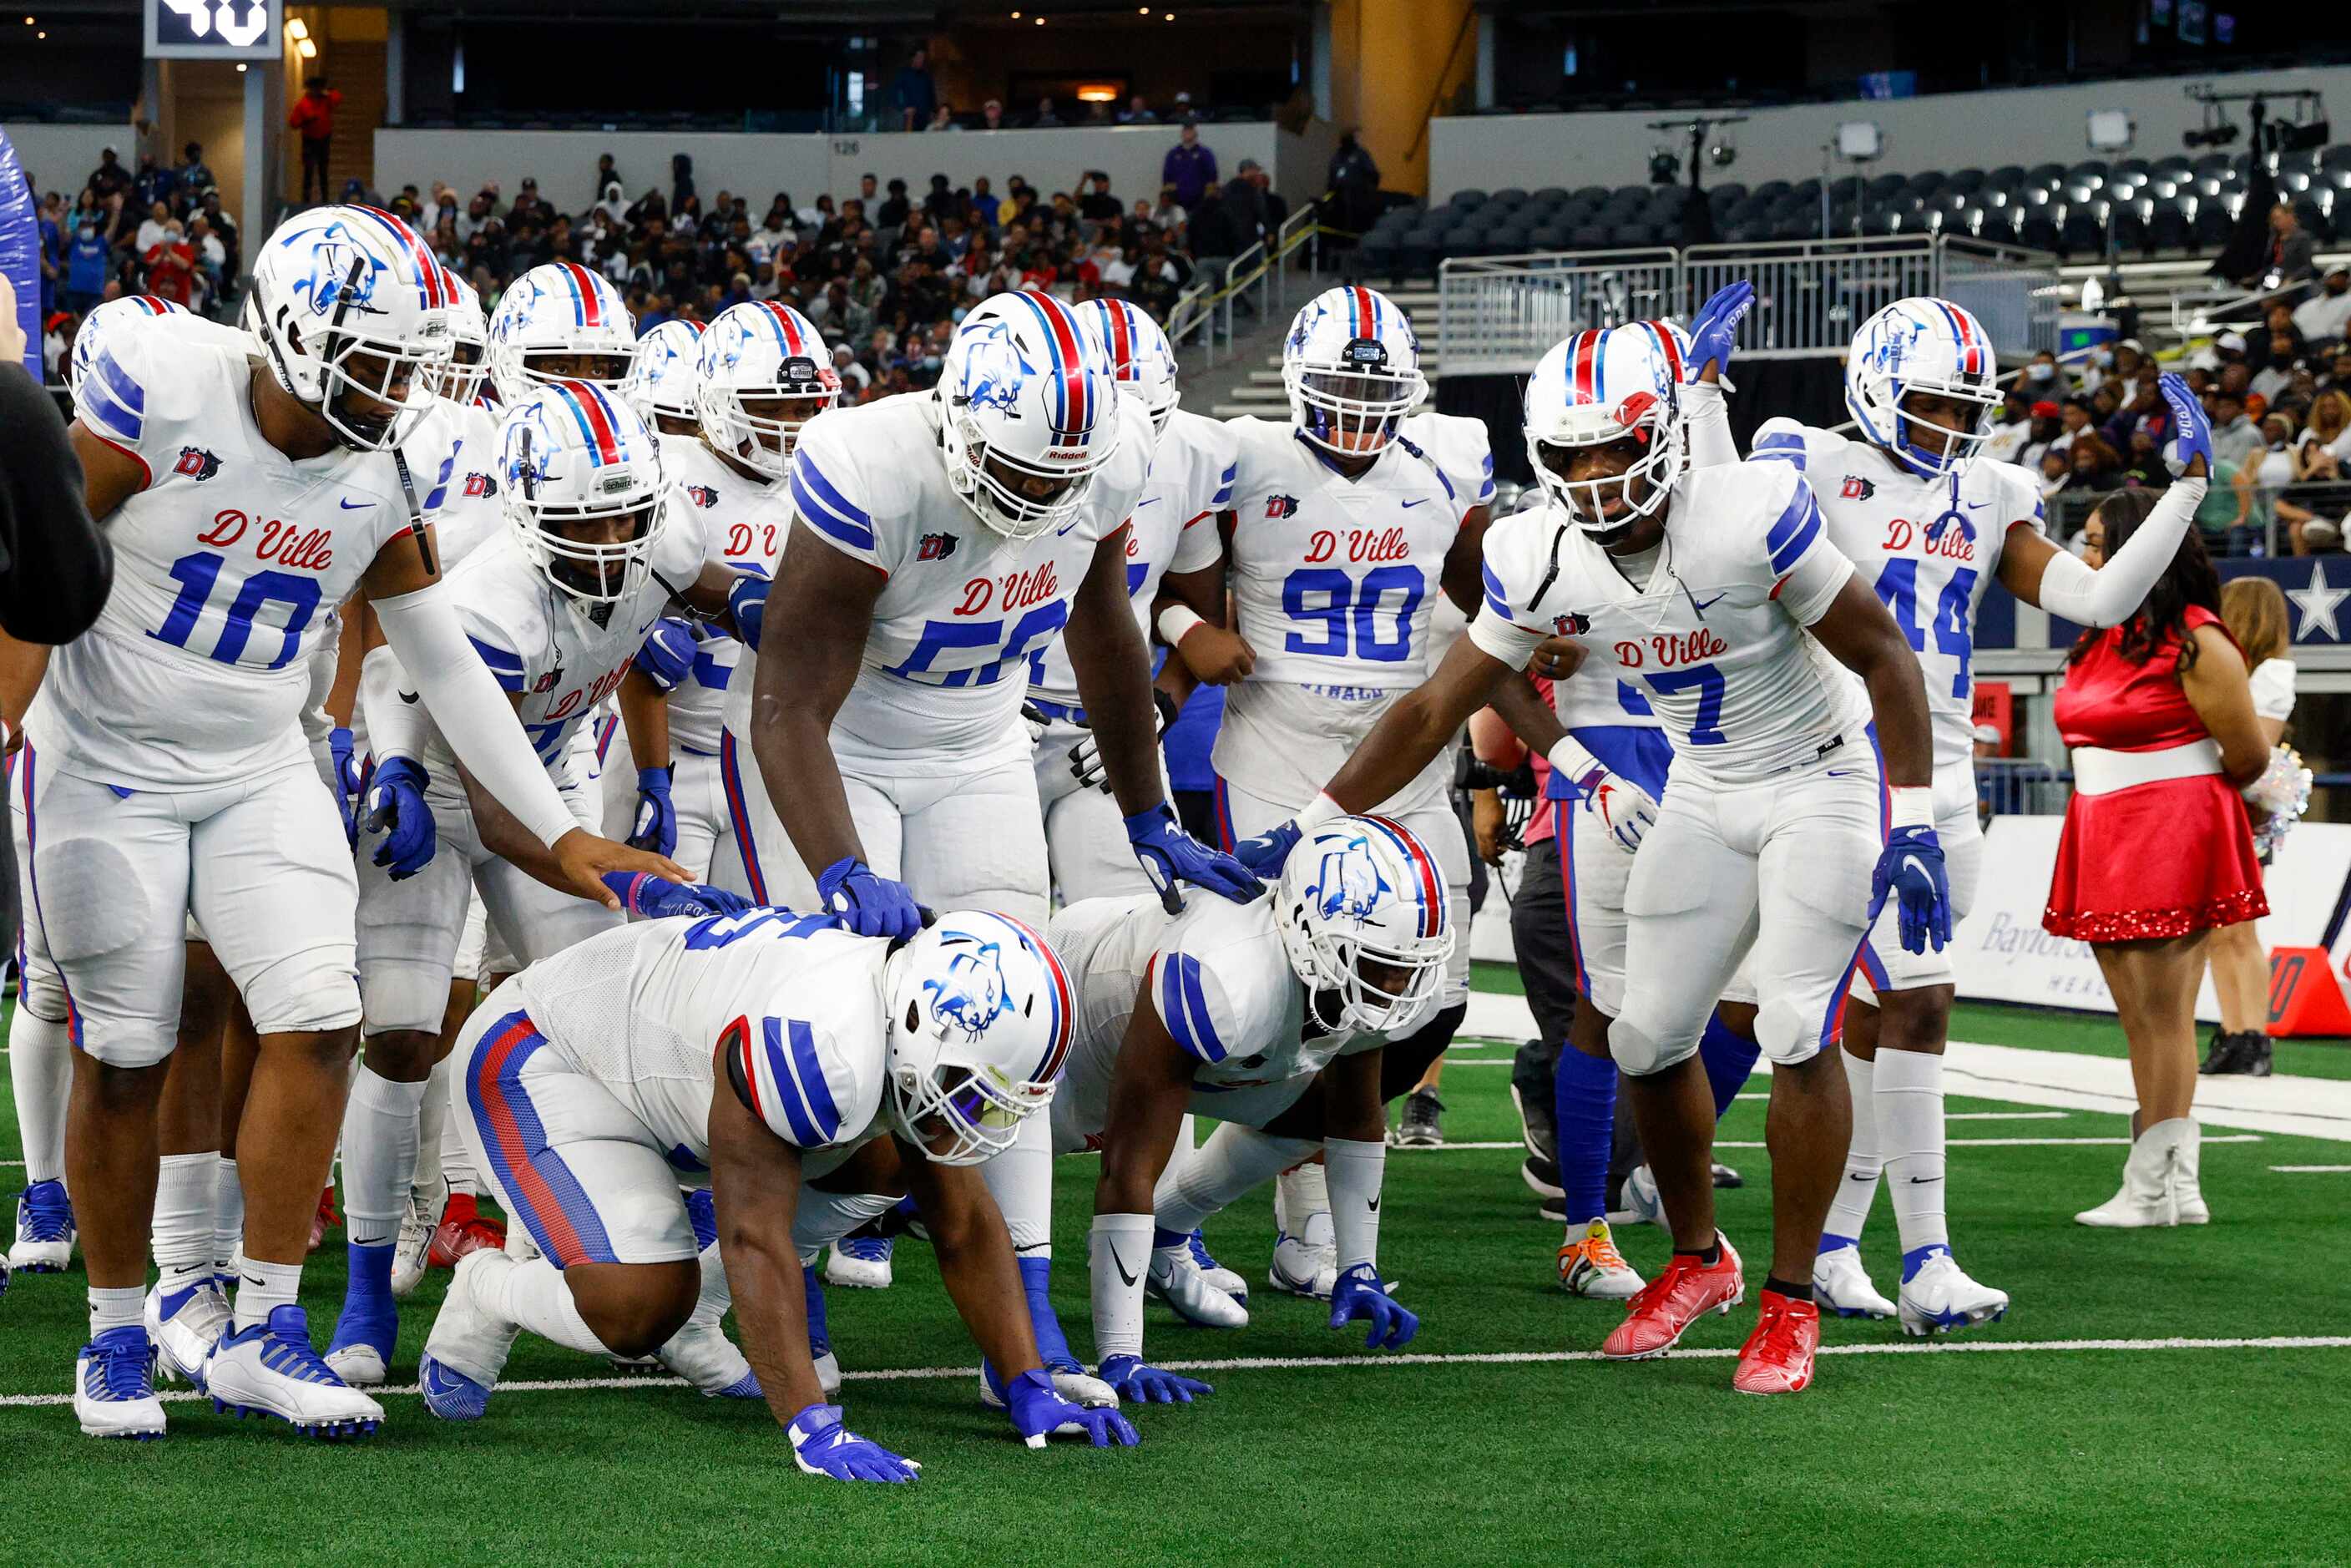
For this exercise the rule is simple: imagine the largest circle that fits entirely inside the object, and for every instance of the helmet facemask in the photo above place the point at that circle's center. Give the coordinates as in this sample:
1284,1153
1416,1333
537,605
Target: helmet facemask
1011,497
371,391
760,426
1351,409
1961,445
603,570
460,379
943,1094
1605,505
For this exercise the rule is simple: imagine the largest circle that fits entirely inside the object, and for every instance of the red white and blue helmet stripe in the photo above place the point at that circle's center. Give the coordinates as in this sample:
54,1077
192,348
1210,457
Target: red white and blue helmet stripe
791,328
1061,1020
428,267
1970,334
587,297
594,413
1429,883
1073,410
1367,311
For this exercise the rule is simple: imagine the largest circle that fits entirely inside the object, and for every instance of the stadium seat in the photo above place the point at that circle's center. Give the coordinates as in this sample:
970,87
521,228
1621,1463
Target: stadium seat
2170,229
2212,224
2314,217
1416,257
1379,252
1505,239
1590,236
1770,190
2130,230
2050,175
1552,195
1466,199
1886,187
1551,237
1965,180
2039,229
1510,195
2089,171
1595,195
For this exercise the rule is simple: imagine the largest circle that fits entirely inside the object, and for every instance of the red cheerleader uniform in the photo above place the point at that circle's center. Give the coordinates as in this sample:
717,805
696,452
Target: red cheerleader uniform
2155,841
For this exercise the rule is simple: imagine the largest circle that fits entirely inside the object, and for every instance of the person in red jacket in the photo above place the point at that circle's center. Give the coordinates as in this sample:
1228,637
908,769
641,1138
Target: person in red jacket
313,116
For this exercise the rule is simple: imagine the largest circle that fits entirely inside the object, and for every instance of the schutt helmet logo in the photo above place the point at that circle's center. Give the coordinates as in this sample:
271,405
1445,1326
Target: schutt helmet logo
1571,624
1857,488
703,495
935,546
1281,507
196,463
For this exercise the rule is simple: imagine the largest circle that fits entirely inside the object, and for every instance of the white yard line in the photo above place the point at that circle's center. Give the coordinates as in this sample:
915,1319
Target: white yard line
2118,1143
2306,1107
2312,1170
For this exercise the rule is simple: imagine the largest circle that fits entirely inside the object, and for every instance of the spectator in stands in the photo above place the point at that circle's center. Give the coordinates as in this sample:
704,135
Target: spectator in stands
1354,184
2095,467
1137,112
1215,237
2055,472
212,257
991,115
1045,119
984,204
171,265
2235,436
87,259
150,230
2043,377
312,117
2144,467
2276,375
2321,319
913,92
1189,167
893,213
2291,251
1095,204
111,179
2073,418
943,118
193,177
2011,430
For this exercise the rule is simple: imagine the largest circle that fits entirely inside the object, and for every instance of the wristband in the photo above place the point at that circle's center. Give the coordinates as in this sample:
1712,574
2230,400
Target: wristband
1318,810
1175,621
1571,761
1913,806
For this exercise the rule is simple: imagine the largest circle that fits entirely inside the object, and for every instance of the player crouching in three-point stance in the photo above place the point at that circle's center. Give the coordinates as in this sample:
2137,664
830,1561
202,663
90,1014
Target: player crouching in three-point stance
779,1052
1716,591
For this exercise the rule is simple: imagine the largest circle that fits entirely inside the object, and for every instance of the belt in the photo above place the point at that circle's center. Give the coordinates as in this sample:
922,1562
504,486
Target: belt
1068,712
2097,771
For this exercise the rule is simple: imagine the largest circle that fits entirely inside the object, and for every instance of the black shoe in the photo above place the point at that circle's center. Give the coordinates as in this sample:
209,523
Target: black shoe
2253,1058
1423,1125
1725,1178
1531,1073
1542,1175
2222,1052
1555,1209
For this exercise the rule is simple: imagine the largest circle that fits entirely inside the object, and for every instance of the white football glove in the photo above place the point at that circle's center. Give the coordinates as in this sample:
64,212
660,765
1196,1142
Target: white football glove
1624,809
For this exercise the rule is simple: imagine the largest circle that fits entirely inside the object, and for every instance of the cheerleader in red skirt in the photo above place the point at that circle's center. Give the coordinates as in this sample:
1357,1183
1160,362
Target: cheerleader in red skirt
2156,850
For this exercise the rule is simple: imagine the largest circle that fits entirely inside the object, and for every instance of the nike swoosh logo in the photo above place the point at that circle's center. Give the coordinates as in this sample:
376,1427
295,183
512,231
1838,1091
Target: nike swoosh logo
1924,1181
1120,1264
1147,501
351,506
1836,773
1860,1175
1422,502
249,1280
409,698
1374,1206
1710,604
1978,506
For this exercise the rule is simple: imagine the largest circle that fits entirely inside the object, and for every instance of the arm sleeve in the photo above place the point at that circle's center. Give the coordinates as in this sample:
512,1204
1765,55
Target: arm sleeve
471,710
1712,444
395,727
1355,1168
2111,594
57,568
823,483
1510,557
1806,570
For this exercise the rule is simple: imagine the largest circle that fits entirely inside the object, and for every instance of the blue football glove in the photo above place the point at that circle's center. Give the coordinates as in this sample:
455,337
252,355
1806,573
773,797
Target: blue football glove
1910,868
1361,1297
339,749
667,657
1265,853
868,903
821,1445
1146,1385
2192,432
1170,855
1037,1412
658,897
748,601
656,827
395,808
1714,332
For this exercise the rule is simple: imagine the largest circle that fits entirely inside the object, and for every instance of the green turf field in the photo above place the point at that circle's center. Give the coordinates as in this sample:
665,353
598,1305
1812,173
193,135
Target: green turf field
2091,1437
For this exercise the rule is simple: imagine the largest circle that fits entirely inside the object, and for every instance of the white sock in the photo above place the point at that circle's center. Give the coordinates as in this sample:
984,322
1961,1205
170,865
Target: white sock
228,1214
536,1296
115,1308
1302,1202
1850,1210
1020,1179
261,1288
1910,1131
1119,1248
379,1132
41,1070
1233,1163
716,1298
182,1236
433,1126
456,1157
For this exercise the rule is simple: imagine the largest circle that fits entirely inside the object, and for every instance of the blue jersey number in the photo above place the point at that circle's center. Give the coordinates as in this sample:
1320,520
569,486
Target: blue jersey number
1898,585
1031,636
772,925
1327,597
198,575
1706,728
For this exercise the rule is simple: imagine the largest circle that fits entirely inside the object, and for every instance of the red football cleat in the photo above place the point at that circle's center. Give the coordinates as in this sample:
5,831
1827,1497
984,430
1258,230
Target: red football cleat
1684,1293
325,1219
1778,1356
462,1230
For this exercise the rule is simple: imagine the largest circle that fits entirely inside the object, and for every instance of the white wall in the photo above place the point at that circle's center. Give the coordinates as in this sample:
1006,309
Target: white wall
758,166
1945,131
57,157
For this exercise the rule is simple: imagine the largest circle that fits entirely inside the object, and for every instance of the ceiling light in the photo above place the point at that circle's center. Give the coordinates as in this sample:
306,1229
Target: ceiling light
307,49
297,29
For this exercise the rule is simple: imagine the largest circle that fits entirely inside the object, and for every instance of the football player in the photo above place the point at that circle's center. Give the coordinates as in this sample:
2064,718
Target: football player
783,1055
556,609
660,381
1715,594
166,772
1932,522
560,321
1345,530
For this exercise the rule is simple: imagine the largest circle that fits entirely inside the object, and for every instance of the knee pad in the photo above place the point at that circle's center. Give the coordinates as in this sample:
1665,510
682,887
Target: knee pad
1635,1044
318,989
399,994
1788,1032
90,899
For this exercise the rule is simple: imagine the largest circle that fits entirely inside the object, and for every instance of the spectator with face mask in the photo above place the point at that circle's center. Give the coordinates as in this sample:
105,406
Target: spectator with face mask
2012,428
2322,317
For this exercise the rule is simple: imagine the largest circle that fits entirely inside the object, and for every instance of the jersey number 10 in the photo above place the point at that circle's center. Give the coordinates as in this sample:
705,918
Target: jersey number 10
198,575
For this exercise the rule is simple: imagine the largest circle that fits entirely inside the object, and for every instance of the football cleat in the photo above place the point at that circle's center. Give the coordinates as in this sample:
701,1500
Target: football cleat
411,1250
1590,1266
1177,1279
1686,1291
45,1230
1421,1126
859,1262
1938,1297
1302,1270
1542,1175
1228,1280
1727,1177
325,1219
114,1389
185,1327
702,1355
1841,1285
1070,1380
1778,1356
1642,1204
1555,1210
467,1347
463,1229
270,1369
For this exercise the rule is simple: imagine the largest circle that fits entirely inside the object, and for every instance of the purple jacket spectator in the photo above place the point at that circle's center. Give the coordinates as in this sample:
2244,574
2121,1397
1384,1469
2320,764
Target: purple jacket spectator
1190,167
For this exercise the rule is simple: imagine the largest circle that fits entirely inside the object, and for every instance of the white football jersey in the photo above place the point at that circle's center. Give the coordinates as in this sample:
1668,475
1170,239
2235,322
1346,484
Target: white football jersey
1929,547
1221,980
643,1008
1175,529
963,610
226,566
741,523
1716,642
472,507
560,656
1334,583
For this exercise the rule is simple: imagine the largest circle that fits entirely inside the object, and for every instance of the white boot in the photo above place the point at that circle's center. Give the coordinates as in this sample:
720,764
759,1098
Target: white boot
2146,1198
2187,1165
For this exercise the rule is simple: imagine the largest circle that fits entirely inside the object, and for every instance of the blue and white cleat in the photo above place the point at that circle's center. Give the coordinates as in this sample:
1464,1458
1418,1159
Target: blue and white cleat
360,1352
1841,1285
1176,1279
1938,1298
270,1369
702,1355
467,1347
114,1387
185,1327
860,1262
45,1230
1302,1269
1229,1281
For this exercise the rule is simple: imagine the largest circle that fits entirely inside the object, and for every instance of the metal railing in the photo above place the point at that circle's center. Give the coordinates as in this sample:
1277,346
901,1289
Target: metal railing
1203,316
2020,785
2250,520
1497,314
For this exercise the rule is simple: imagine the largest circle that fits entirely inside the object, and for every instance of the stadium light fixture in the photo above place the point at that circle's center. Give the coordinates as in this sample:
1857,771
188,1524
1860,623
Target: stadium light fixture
1860,142
297,29
307,49
2112,130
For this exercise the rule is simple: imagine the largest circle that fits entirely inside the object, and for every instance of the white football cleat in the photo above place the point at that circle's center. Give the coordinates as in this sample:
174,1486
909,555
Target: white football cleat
1642,1204
1070,1380
467,1347
860,1262
1177,1280
186,1328
1590,1266
1841,1286
1939,1298
410,1249
114,1392
1228,1280
270,1369
828,1373
1302,1270
702,1355
45,1230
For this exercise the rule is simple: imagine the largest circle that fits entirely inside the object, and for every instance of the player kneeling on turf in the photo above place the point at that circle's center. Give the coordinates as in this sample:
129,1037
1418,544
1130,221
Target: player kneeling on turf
771,1050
